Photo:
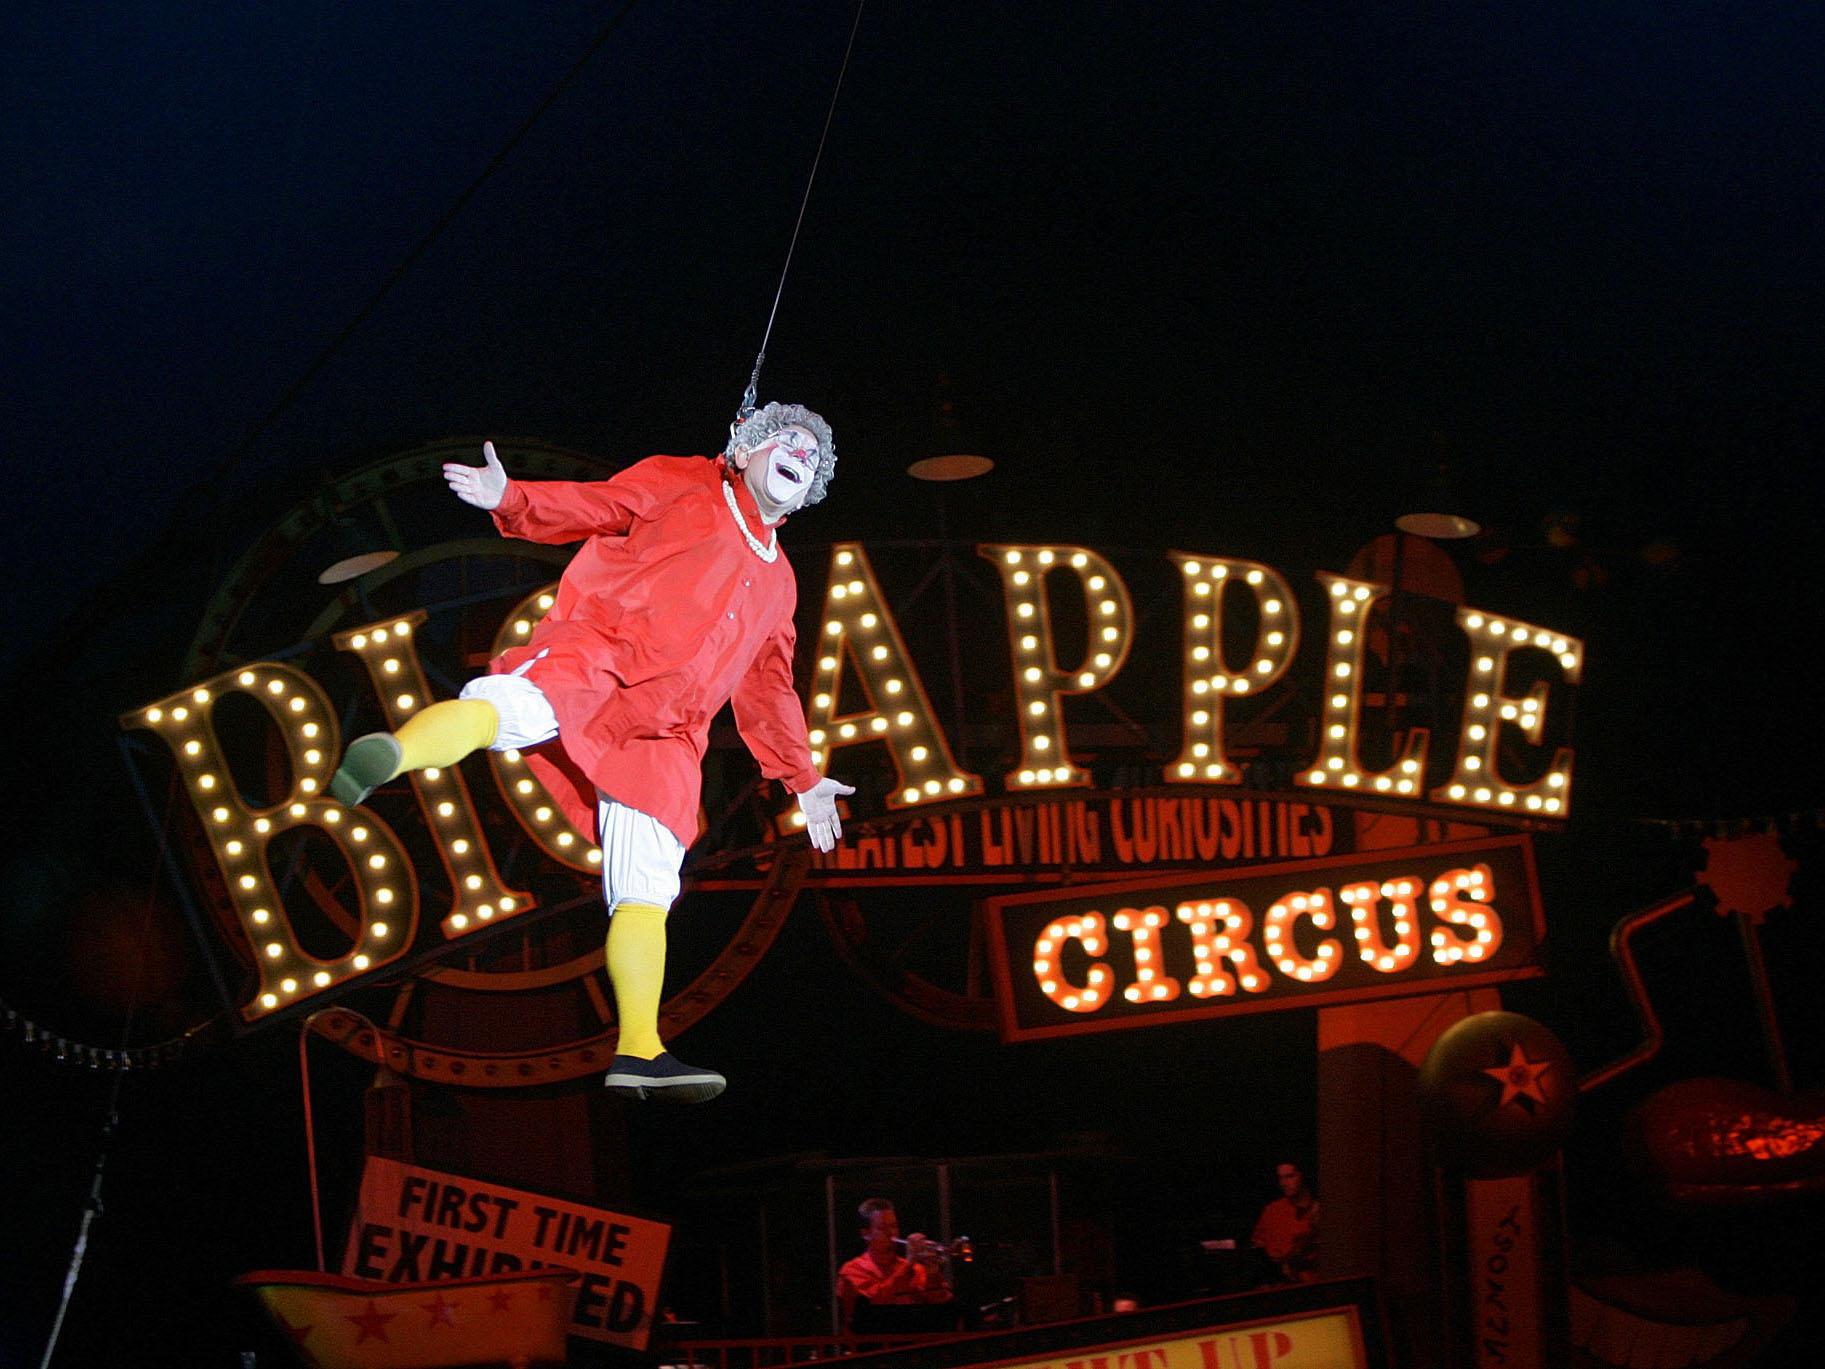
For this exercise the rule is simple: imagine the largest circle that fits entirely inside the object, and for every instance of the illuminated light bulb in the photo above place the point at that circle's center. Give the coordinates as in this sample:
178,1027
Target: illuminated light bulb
1345,637
877,725
297,704
245,678
260,916
380,634
321,979
1024,610
845,558
383,895
1202,587
1201,750
262,825
955,784
817,756
1029,643
1485,664
234,848
1480,701
524,786
155,715
1211,772
507,905
1200,653
205,781
1096,582
1041,743
1021,577
193,748
380,930
895,686
910,794
869,620
821,701
1086,680
1192,568
565,839
1047,557
1337,730
919,753
1478,732
932,786
521,627
1026,776
1240,686
1473,762
1030,674
179,713
309,729
484,911
1272,606
220,815
275,686
1520,634
461,845
308,785
1254,577
817,736
1383,783
1556,779
406,701
1200,718
274,950
1341,669
475,881
1456,791
1405,786
1346,606
1276,639
594,855
269,1000
1106,607
446,809
1187,770
1553,805
377,861
546,601
312,757
833,628
855,586
542,813
1111,634
359,640
846,730
1104,660
1481,795
1201,620
1508,713
1200,686
361,962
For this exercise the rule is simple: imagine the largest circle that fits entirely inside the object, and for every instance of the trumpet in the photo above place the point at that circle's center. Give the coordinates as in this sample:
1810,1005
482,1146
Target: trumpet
961,1248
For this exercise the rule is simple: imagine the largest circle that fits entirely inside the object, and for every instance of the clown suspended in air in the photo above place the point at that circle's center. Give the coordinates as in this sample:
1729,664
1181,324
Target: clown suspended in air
677,602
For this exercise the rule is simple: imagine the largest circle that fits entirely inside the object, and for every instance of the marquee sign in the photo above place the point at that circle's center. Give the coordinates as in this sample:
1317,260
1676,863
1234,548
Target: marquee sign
1180,947
1239,630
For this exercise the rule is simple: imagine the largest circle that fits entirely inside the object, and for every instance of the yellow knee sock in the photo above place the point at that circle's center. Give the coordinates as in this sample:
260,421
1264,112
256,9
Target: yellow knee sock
446,732
636,965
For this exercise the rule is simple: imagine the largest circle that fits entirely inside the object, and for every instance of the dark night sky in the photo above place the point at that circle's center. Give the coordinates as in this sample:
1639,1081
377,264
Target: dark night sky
1220,278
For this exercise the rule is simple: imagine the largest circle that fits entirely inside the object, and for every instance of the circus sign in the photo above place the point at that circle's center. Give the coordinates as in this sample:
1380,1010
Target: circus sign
1180,947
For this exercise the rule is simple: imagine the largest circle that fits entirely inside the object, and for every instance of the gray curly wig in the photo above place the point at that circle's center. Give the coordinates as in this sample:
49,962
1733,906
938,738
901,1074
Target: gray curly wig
769,419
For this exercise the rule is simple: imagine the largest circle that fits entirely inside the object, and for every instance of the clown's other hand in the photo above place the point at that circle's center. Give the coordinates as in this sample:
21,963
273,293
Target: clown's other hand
481,486
818,804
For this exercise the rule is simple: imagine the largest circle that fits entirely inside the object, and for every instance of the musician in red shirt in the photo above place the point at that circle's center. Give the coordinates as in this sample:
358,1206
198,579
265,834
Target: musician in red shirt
677,602
882,1277
1287,1231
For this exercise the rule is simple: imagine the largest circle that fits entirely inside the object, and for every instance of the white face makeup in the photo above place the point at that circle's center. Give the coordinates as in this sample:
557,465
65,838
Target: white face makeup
779,471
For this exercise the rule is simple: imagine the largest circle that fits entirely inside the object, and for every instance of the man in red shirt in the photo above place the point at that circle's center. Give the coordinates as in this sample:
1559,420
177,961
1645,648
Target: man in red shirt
677,602
881,1277
1287,1231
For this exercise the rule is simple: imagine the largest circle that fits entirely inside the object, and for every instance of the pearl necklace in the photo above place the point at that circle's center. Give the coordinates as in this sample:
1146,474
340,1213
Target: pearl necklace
767,552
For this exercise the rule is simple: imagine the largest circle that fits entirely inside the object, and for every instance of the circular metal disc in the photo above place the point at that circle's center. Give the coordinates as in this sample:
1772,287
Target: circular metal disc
1439,526
954,467
351,566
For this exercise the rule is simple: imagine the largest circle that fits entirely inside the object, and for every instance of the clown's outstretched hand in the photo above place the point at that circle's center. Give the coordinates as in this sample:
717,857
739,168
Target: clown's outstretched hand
819,806
481,486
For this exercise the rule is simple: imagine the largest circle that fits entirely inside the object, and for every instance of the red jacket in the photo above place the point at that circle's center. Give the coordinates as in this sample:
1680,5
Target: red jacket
664,615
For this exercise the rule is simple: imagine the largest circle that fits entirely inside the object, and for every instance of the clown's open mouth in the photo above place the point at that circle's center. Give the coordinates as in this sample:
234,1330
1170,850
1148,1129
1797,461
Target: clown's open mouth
790,473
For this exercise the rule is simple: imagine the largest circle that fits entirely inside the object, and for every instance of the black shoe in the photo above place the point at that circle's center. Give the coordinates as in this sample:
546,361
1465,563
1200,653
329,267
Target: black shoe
369,762
664,1077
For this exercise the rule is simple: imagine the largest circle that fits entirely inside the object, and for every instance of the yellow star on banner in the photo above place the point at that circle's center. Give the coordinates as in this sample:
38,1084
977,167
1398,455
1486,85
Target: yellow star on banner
1520,1077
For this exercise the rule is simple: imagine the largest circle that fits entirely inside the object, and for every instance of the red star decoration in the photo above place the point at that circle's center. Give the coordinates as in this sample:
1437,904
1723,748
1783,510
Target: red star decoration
295,1334
501,1299
1520,1077
373,1323
1749,875
442,1311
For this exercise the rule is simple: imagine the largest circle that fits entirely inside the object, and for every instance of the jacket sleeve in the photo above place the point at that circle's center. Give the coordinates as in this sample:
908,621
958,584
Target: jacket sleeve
770,718
570,510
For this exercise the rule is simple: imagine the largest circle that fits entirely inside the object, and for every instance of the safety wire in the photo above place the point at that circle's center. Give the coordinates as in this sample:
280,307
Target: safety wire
110,1126
748,398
